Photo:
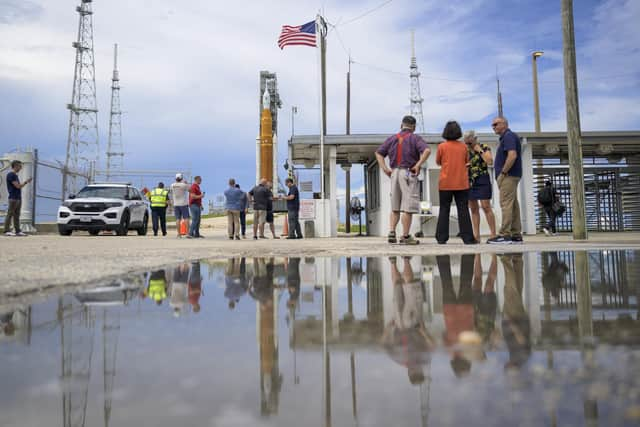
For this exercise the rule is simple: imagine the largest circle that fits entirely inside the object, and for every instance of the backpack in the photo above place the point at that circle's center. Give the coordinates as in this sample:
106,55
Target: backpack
545,196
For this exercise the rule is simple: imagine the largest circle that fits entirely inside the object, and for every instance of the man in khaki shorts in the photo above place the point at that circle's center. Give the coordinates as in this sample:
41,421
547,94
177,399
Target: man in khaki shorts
260,196
407,152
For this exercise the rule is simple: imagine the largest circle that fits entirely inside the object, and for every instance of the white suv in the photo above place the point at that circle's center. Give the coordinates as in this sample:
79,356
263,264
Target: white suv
108,206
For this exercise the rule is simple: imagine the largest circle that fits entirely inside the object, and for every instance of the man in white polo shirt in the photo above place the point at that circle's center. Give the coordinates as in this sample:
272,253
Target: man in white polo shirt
180,198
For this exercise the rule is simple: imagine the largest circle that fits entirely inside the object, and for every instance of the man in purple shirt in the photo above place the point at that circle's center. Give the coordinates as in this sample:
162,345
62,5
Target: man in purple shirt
407,152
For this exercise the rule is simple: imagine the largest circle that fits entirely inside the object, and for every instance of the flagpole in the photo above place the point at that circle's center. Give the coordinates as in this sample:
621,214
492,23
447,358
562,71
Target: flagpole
321,33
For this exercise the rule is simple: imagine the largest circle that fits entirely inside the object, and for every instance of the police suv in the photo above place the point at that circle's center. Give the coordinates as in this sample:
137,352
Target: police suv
107,206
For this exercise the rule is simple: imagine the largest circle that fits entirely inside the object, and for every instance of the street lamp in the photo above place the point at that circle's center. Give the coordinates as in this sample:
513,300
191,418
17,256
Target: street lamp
294,110
536,101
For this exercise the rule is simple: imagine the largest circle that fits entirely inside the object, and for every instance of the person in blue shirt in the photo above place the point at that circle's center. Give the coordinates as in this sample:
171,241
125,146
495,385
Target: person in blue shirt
508,168
243,213
233,205
293,209
14,187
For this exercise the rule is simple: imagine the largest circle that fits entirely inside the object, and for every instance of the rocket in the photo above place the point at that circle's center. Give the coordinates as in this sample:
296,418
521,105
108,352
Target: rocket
266,139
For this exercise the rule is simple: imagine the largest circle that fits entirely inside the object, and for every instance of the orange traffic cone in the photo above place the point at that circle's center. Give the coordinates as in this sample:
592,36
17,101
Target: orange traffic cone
285,226
183,227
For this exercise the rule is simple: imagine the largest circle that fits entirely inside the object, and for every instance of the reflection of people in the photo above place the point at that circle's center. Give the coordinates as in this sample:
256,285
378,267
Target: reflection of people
516,327
157,289
6,323
179,289
485,302
406,338
236,281
457,309
195,286
293,281
553,277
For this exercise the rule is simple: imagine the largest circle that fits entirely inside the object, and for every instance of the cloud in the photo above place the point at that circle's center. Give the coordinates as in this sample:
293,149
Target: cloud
19,11
190,77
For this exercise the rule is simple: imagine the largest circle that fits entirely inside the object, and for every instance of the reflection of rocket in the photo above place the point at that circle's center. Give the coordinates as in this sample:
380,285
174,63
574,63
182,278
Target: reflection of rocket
266,139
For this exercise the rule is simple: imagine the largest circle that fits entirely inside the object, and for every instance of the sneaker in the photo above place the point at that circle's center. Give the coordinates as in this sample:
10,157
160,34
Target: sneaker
21,234
500,240
391,238
546,231
237,237
244,237
230,237
10,233
472,242
263,237
408,240
255,237
517,240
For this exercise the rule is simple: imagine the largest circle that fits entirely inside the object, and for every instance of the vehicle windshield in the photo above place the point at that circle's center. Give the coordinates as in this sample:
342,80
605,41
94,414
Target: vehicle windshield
103,192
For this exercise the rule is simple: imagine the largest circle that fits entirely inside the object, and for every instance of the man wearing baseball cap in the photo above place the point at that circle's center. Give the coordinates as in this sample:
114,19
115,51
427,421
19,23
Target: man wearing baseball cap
180,198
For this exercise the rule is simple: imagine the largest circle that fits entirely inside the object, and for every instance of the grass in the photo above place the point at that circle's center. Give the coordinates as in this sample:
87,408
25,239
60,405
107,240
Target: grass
342,228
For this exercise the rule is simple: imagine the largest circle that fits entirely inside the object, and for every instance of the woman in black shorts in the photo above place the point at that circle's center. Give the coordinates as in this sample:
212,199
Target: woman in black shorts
480,192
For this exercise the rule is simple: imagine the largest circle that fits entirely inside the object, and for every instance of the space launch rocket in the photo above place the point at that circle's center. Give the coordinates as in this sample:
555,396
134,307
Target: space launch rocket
266,139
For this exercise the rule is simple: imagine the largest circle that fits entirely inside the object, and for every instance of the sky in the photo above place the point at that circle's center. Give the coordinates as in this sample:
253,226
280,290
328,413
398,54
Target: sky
190,72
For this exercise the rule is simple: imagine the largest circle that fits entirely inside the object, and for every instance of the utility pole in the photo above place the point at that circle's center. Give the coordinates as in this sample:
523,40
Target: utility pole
536,100
115,152
347,168
82,141
500,112
576,175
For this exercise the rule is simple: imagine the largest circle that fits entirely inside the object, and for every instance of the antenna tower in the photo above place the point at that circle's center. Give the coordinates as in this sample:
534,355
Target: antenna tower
115,153
82,142
500,113
415,96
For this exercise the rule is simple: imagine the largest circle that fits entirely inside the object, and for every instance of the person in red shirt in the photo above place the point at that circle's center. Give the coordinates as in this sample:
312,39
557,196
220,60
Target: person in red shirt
195,207
453,158
195,287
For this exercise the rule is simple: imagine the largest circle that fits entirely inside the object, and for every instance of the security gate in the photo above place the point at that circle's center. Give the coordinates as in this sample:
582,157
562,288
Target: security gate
611,197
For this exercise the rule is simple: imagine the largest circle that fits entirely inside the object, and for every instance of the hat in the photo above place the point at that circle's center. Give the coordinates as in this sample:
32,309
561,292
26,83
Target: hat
178,175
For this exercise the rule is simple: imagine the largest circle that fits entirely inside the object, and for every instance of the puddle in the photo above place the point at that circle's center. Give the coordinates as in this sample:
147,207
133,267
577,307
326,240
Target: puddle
518,339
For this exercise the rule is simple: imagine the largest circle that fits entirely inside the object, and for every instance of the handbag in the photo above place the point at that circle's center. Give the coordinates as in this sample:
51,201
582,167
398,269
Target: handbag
558,207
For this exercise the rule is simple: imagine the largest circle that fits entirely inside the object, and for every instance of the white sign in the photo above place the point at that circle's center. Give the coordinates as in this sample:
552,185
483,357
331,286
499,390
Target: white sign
306,186
307,209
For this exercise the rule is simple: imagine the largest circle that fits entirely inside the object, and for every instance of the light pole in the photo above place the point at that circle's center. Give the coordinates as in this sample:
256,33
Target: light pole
536,101
294,111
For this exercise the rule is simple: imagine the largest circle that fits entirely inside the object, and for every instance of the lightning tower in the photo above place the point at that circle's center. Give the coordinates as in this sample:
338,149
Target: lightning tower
82,142
415,96
115,153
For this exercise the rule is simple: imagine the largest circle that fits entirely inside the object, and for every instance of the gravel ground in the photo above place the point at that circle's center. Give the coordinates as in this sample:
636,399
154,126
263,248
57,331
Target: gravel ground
35,263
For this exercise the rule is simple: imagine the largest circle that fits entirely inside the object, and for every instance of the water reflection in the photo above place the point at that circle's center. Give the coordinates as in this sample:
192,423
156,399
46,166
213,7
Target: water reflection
366,341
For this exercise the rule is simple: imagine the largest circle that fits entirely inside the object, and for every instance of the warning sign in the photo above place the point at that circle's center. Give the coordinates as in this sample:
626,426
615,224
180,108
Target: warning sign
307,209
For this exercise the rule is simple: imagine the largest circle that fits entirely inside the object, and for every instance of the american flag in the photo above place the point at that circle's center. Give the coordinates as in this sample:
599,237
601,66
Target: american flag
299,35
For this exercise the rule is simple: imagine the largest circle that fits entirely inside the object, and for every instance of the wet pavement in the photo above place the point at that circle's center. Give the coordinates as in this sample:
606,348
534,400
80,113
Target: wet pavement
515,339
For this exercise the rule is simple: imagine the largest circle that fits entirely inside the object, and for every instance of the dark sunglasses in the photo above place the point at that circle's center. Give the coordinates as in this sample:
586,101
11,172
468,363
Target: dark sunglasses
494,124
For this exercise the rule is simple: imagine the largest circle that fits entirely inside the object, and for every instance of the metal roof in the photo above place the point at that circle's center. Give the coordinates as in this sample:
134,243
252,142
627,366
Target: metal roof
360,148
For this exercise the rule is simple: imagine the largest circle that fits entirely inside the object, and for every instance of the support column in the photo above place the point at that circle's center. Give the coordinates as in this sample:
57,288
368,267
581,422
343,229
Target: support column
347,198
525,191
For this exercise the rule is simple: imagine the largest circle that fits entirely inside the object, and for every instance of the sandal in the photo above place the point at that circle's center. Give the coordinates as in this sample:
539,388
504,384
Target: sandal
391,238
408,240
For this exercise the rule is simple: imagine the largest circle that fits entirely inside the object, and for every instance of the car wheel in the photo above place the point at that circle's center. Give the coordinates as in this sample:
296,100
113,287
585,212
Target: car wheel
64,231
94,232
142,231
123,228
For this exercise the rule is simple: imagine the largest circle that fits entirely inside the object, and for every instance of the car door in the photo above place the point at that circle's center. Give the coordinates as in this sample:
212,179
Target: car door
137,206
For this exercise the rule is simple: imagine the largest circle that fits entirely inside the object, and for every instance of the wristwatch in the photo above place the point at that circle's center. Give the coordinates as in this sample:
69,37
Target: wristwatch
504,173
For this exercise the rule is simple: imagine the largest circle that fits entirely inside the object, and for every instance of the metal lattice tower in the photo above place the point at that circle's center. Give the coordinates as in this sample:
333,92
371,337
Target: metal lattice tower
115,152
415,96
82,143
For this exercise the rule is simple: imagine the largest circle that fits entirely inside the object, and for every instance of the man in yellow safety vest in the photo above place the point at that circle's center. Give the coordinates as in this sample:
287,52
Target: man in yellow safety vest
159,198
